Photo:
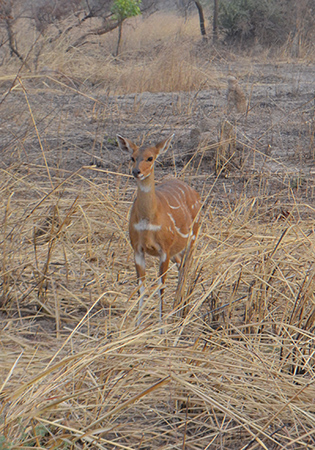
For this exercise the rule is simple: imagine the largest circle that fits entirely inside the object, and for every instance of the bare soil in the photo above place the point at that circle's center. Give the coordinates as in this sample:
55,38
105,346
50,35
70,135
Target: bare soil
77,124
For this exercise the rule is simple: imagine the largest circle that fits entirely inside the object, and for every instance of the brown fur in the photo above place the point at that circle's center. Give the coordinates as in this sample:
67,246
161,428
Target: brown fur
235,95
162,218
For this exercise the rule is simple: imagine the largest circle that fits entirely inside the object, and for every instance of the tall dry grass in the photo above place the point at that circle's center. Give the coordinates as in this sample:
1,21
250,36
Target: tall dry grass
151,49
236,371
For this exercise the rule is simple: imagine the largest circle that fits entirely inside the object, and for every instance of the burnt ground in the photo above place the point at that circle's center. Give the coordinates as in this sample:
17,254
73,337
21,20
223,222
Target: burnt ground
77,125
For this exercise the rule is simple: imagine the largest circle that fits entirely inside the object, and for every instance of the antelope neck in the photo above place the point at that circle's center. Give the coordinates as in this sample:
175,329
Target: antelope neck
146,199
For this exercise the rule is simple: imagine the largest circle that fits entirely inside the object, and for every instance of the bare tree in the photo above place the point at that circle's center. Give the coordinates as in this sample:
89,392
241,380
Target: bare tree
201,18
46,13
59,17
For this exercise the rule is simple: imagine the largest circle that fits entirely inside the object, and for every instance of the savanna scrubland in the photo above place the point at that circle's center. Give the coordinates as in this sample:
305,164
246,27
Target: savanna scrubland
236,370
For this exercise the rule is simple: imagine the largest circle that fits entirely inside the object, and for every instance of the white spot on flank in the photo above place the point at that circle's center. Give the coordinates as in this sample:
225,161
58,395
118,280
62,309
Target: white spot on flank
185,236
145,225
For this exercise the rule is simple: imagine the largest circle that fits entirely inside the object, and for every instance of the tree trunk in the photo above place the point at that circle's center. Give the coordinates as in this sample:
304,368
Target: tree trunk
201,18
119,37
215,21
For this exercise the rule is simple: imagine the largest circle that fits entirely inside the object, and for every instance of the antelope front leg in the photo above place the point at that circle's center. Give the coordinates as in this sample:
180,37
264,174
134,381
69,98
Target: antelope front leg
140,268
164,262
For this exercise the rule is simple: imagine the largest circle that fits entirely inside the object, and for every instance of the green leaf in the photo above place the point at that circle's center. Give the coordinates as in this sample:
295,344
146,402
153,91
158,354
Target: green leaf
122,9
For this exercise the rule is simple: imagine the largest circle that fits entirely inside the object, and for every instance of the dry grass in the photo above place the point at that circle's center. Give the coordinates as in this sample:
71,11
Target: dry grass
237,372
151,49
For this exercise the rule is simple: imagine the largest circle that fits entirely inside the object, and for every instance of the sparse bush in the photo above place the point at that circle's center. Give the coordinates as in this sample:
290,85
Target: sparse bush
46,13
249,20
268,22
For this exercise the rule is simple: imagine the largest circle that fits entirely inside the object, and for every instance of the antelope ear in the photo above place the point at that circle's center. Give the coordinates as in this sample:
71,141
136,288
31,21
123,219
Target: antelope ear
125,144
163,146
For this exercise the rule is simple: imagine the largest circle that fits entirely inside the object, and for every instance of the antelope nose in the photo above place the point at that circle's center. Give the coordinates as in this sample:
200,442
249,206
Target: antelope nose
135,172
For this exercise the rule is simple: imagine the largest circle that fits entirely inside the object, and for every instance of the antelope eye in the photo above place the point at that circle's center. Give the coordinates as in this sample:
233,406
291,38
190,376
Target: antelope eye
132,159
150,158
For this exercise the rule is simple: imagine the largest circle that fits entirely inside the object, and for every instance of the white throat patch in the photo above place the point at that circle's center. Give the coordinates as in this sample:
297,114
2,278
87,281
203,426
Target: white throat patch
145,225
144,188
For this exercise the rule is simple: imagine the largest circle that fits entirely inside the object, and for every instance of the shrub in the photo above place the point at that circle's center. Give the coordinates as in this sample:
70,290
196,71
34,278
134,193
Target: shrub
247,21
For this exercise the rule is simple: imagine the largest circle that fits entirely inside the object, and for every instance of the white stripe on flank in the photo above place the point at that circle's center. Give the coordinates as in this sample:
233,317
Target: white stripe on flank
177,197
171,206
181,190
185,236
144,225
